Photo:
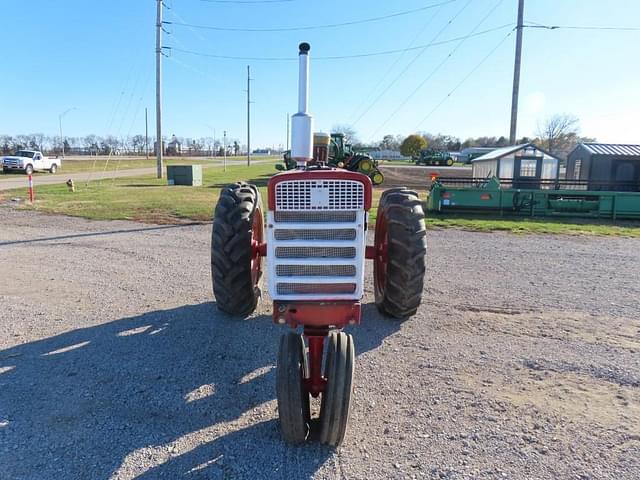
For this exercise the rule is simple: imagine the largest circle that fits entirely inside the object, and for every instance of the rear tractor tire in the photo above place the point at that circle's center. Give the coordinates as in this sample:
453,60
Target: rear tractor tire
236,265
401,247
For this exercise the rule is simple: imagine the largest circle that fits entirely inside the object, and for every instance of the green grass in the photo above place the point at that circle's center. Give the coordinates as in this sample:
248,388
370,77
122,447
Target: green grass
103,164
538,226
144,198
150,200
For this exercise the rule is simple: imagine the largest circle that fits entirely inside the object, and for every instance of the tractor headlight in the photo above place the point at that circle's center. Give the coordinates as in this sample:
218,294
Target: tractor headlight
341,164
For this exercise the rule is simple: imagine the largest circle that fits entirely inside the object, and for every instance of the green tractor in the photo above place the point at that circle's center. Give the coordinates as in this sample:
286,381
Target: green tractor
342,155
434,158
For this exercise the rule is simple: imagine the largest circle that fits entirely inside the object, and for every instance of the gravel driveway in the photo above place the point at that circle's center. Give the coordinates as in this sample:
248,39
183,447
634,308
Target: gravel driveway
523,362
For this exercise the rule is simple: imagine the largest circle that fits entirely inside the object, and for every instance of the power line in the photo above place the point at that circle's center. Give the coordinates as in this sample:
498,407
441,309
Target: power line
465,78
247,2
415,58
396,61
579,27
341,57
437,68
311,27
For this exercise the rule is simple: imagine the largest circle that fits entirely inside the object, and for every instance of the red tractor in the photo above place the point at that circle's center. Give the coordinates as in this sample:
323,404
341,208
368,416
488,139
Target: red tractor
315,241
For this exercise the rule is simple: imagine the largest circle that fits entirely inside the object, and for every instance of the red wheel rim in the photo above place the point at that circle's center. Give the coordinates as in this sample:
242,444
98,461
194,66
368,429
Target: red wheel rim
256,239
382,247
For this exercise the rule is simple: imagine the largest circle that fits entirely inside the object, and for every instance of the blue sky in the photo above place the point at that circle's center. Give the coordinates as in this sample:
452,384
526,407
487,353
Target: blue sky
99,58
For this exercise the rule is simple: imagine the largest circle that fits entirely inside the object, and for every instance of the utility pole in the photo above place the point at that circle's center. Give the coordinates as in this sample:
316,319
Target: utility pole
60,117
516,74
224,147
146,132
287,131
61,139
248,116
160,167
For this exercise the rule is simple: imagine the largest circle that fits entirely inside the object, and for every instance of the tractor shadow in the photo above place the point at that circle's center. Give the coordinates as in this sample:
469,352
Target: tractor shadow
119,395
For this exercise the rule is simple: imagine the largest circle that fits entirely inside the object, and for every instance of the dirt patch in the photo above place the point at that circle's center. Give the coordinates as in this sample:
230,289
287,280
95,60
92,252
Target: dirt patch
418,177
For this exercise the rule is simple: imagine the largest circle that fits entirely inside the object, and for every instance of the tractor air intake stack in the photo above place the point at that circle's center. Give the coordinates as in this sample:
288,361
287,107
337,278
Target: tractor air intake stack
302,123
321,142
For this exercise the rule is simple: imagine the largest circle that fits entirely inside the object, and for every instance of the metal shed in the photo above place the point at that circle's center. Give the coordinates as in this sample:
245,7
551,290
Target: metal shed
525,165
605,166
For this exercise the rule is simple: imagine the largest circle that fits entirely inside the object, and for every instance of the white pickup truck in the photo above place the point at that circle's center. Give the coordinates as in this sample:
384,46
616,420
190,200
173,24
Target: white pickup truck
29,161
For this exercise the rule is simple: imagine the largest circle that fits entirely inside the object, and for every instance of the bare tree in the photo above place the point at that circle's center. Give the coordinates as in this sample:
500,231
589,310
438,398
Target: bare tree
556,132
350,134
389,142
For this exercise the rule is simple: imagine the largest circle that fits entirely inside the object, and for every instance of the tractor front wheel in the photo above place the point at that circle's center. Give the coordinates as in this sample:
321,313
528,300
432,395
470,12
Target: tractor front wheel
336,398
400,245
236,264
293,399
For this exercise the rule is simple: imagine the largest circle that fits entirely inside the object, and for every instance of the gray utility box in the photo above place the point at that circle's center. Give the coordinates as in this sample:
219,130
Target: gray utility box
184,175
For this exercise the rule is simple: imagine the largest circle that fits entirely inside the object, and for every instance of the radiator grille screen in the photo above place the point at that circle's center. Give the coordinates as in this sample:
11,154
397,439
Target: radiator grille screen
315,217
315,252
316,270
315,288
320,195
303,234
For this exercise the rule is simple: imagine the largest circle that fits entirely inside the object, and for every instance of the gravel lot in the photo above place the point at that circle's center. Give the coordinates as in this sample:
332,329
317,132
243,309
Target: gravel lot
523,362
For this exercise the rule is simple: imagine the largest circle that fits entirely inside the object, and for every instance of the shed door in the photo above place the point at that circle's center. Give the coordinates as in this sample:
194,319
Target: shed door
625,175
527,172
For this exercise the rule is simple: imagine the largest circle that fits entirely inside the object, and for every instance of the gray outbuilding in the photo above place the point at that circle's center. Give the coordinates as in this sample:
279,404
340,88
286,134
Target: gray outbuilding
605,166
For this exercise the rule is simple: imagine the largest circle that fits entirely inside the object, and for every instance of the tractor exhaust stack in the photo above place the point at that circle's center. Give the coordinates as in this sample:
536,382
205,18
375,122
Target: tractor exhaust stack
302,122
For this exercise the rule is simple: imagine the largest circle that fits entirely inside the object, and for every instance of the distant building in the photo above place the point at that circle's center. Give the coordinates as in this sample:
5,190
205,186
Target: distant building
174,147
387,155
605,166
468,154
525,165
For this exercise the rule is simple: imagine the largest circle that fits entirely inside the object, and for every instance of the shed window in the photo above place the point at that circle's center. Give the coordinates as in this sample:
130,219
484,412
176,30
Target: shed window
528,168
577,168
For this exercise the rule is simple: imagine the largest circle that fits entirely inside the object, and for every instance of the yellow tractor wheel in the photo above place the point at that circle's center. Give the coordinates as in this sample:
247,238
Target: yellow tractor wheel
365,165
377,178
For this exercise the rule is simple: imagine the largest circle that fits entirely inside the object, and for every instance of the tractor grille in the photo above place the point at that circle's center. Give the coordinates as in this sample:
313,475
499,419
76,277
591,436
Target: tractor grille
315,217
316,270
315,252
305,234
319,195
316,240
316,288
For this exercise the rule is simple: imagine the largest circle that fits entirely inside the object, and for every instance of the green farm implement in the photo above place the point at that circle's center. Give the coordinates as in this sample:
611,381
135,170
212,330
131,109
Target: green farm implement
557,198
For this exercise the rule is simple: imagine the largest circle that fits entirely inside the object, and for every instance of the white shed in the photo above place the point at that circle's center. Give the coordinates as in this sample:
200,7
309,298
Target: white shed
525,165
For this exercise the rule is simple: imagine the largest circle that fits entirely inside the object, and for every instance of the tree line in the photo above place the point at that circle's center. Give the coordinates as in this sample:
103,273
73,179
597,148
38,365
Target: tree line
110,144
558,135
